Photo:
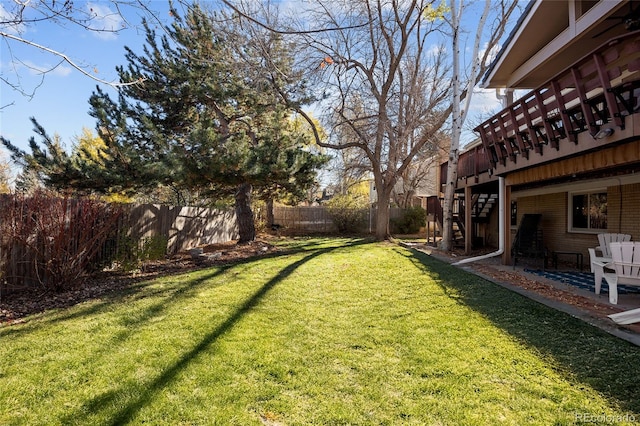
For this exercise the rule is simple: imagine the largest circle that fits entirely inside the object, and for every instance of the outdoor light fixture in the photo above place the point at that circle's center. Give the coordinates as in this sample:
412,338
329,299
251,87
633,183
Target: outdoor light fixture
604,133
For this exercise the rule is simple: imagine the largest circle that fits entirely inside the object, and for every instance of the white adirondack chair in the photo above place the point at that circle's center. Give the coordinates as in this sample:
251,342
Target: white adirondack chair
626,266
605,252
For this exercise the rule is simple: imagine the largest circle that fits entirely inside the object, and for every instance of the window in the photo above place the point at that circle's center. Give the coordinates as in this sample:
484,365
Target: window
588,211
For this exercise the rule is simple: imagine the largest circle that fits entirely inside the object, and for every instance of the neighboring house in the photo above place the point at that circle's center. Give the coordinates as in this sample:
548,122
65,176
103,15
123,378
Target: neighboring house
568,150
419,183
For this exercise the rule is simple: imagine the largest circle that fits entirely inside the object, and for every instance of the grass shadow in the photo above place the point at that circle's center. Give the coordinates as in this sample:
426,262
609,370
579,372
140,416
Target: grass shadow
581,351
146,393
131,290
134,287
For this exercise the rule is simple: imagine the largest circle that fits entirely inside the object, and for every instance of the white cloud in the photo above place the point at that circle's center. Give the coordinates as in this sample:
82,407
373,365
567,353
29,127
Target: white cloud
493,54
484,101
10,28
62,71
104,21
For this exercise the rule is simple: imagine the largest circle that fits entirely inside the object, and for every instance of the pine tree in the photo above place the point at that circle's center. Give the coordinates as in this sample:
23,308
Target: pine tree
204,118
48,163
207,116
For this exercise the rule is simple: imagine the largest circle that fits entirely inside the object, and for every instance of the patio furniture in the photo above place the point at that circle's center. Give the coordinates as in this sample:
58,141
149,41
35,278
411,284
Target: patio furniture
597,266
626,266
528,241
577,254
626,317
605,252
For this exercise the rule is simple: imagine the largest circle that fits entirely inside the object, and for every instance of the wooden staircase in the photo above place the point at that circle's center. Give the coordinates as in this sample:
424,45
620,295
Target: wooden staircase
481,207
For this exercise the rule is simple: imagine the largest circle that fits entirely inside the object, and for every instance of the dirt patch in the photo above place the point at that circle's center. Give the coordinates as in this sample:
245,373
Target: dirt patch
14,307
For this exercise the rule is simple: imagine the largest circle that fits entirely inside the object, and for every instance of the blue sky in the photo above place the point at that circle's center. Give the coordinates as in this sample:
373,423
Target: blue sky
60,99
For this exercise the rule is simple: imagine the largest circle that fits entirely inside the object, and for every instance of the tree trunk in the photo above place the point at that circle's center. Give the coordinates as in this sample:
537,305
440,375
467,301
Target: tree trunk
456,129
458,113
269,207
244,214
447,208
382,214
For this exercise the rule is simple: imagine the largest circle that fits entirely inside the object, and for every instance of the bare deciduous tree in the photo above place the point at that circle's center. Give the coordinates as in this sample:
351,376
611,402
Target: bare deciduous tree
386,79
464,79
421,176
385,85
19,18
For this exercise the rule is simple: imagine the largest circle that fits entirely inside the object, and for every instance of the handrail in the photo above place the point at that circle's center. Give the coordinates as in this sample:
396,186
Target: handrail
583,97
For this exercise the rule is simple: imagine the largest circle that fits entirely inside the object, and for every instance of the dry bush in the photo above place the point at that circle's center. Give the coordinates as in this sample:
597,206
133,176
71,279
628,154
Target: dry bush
52,241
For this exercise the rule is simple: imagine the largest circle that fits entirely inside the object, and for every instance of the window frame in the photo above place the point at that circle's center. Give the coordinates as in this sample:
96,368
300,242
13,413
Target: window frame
570,227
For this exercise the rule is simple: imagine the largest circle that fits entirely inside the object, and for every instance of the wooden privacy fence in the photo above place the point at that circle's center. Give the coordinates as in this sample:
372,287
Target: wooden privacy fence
317,219
53,241
300,220
183,227
77,235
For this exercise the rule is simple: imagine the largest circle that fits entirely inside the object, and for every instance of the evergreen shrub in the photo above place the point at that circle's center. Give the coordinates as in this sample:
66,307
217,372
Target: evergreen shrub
411,221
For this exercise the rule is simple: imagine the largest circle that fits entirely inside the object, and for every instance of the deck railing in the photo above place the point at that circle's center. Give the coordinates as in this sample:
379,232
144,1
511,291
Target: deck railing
594,94
603,87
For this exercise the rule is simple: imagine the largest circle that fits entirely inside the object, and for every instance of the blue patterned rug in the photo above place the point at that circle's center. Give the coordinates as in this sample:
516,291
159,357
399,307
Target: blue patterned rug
583,280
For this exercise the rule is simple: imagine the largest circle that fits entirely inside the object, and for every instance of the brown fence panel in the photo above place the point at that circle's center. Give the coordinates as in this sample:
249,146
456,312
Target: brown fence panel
51,241
317,220
183,227
303,220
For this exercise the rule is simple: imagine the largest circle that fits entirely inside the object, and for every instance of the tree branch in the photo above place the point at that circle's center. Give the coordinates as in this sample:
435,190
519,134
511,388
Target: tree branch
289,32
68,60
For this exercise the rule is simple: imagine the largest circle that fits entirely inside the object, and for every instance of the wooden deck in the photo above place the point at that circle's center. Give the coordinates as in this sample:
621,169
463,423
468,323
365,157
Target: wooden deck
587,107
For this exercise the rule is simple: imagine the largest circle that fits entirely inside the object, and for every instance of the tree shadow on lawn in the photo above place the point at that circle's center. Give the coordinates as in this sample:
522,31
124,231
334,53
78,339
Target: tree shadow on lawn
584,352
144,395
132,287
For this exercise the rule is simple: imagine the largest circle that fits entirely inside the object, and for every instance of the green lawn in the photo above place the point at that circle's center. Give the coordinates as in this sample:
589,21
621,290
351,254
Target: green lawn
338,331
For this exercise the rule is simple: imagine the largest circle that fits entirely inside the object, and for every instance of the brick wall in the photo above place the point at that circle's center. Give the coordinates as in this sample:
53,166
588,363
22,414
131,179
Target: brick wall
623,214
627,197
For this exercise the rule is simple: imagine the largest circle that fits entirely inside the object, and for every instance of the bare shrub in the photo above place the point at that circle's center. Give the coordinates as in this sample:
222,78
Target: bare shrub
348,212
52,241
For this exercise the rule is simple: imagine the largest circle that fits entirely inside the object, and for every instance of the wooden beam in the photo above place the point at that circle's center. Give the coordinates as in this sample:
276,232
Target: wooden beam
504,138
468,224
618,155
514,122
531,128
551,136
609,96
506,205
566,120
584,102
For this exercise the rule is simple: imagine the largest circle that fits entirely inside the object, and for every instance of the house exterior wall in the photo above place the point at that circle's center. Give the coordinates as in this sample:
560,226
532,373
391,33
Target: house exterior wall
490,230
577,63
553,208
627,196
623,215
